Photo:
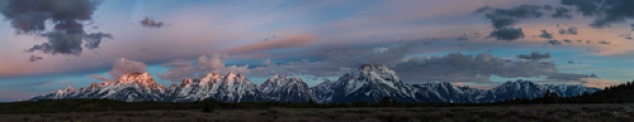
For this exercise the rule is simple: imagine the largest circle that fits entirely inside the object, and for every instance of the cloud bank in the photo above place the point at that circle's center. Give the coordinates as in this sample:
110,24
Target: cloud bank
67,36
180,69
124,66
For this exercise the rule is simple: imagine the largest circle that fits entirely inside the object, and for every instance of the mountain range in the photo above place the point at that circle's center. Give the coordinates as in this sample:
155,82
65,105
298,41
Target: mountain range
370,83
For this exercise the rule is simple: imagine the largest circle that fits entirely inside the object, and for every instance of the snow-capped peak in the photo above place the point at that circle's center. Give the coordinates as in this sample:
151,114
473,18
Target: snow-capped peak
143,79
69,89
93,85
282,88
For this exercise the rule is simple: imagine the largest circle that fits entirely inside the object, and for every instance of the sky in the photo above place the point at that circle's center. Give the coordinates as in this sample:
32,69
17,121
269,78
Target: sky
54,44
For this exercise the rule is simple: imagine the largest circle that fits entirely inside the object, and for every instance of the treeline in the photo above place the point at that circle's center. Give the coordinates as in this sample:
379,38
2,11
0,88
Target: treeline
211,104
622,93
208,105
89,105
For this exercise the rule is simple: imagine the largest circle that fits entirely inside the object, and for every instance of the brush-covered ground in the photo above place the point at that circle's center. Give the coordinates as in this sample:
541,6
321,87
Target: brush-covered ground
507,113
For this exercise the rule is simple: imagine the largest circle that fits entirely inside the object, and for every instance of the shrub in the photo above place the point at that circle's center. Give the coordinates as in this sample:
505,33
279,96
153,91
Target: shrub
208,107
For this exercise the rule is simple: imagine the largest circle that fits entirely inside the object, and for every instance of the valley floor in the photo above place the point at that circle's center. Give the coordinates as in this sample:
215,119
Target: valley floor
513,113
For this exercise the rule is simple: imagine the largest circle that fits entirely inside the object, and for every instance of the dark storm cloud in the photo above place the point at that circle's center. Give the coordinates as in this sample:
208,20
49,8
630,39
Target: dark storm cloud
508,34
29,16
504,19
534,56
94,39
67,36
571,30
458,67
546,35
35,58
60,43
151,23
554,42
561,12
606,12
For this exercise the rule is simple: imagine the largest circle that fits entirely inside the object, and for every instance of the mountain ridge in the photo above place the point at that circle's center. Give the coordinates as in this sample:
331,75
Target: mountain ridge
369,84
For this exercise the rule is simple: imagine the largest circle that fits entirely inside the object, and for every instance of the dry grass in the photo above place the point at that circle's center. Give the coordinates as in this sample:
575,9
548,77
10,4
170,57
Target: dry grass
519,113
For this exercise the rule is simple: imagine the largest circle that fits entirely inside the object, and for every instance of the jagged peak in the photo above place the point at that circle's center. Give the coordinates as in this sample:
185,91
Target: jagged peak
105,83
93,85
295,79
144,79
376,68
69,89
213,75
186,82
277,76
370,67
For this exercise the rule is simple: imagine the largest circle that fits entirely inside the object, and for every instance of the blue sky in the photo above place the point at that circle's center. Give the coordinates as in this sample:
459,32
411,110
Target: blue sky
314,40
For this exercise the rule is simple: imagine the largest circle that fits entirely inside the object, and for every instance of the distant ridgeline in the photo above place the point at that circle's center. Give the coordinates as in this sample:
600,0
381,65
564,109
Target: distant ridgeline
622,93
371,83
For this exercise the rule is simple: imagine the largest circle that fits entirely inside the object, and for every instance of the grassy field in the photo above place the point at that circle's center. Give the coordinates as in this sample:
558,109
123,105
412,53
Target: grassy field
514,113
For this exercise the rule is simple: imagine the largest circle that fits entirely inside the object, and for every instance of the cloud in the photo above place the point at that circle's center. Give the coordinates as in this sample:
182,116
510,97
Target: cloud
180,69
94,39
458,67
546,35
100,78
598,83
504,19
626,36
604,42
554,42
536,56
216,62
35,58
561,12
606,12
335,63
151,23
507,34
380,50
124,66
454,67
30,17
463,37
267,62
280,43
60,42
572,31
570,76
